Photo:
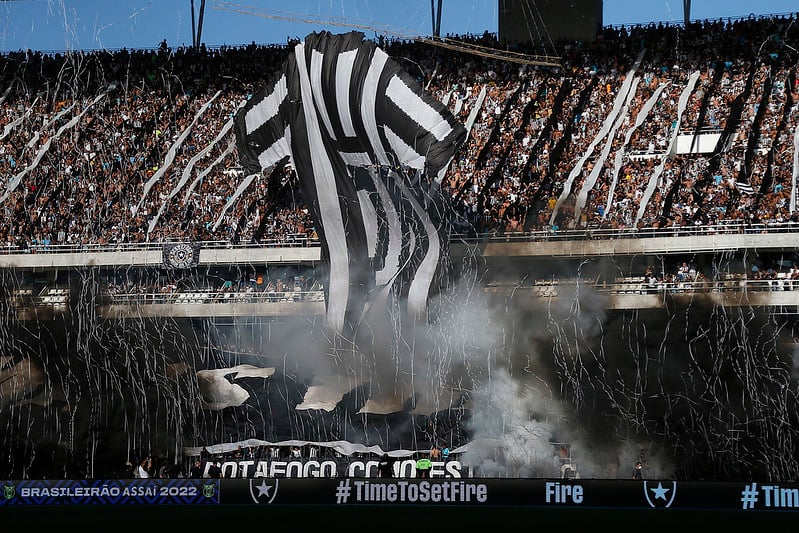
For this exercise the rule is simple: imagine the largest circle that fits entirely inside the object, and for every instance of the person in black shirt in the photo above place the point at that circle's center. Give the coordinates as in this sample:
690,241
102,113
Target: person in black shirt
215,470
637,471
197,469
385,468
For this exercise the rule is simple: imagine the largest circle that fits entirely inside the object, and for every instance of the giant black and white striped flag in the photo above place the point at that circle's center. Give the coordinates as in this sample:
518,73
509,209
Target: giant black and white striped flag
369,146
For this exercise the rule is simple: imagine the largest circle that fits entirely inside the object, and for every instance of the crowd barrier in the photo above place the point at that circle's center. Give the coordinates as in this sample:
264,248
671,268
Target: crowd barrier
725,227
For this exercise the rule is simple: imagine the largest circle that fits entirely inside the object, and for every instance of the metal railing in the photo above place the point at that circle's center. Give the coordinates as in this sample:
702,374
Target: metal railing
731,227
540,288
550,288
292,241
214,297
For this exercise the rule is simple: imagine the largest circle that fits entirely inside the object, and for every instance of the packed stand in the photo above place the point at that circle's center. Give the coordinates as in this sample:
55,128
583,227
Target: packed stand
136,145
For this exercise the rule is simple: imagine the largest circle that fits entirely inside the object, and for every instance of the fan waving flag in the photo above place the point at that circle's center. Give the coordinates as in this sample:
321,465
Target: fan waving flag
744,188
369,146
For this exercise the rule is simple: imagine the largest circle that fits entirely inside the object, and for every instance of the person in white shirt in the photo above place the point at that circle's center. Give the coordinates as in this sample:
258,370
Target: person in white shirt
793,275
143,470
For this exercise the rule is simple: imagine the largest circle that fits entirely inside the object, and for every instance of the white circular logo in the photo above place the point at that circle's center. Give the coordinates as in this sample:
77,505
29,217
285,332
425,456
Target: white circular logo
181,256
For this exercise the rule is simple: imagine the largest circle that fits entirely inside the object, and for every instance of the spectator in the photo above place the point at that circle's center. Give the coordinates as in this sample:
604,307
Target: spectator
385,468
638,470
197,469
215,469
144,468
423,466
435,453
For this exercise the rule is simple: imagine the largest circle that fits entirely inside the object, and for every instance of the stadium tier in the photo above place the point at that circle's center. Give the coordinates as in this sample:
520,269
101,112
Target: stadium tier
645,127
616,280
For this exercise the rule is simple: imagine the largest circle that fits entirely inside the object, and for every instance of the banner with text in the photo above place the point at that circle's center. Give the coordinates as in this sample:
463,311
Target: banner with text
745,497
609,494
110,491
327,468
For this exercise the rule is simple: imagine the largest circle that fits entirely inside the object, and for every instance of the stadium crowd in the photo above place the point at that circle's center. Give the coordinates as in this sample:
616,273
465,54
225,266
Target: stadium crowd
124,146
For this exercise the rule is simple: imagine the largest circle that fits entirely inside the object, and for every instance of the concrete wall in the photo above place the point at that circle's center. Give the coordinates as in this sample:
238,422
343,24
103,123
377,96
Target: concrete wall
674,244
154,257
513,245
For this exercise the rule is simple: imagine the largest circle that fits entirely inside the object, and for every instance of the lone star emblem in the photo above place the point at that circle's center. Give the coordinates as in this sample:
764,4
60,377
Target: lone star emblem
661,496
660,492
264,489
263,492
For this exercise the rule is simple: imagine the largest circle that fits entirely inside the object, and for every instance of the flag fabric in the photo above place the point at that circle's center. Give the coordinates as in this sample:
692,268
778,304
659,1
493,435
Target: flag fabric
365,140
181,255
744,188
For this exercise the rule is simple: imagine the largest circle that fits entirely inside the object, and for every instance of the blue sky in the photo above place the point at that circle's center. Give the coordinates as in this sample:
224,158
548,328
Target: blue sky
55,25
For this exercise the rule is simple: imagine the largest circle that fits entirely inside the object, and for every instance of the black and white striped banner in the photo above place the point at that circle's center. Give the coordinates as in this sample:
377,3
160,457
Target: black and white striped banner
365,140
